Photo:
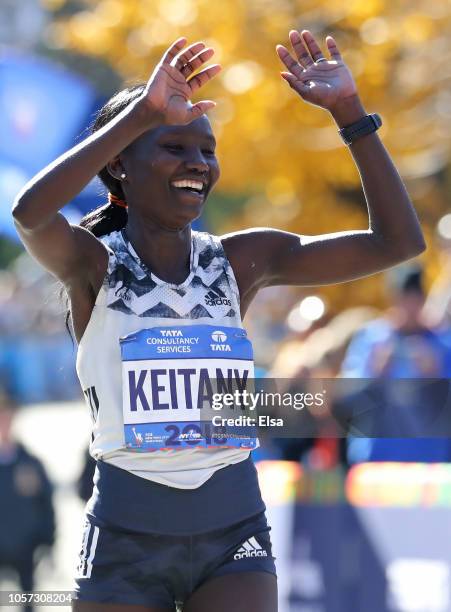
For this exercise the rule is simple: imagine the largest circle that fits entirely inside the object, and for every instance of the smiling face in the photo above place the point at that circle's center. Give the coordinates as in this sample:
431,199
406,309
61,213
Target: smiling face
170,172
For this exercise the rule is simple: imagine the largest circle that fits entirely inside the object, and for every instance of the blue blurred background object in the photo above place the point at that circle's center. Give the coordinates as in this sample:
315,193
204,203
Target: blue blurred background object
44,108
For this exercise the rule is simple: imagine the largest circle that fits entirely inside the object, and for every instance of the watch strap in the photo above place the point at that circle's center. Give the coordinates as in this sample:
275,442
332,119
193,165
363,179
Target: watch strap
366,125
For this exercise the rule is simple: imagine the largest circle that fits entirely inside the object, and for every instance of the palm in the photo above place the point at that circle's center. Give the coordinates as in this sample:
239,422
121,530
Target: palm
169,88
317,80
327,83
170,94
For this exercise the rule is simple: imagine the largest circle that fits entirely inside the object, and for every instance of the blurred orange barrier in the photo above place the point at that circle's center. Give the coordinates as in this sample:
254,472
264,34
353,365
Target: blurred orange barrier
399,484
287,481
278,480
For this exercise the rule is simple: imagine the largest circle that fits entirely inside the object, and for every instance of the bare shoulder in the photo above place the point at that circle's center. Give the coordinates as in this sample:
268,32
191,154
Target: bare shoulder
254,240
250,252
240,250
254,247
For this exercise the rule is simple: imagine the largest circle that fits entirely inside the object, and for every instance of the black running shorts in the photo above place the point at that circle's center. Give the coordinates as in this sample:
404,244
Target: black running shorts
126,567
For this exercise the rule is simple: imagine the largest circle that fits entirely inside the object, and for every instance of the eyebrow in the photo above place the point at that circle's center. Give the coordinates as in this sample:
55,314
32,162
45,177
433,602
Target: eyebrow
173,133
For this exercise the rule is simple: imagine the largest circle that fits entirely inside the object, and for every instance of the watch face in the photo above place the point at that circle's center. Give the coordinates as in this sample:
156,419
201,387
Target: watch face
377,120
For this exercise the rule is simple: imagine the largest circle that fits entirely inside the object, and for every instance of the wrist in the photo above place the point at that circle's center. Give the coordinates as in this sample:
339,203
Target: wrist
348,111
143,116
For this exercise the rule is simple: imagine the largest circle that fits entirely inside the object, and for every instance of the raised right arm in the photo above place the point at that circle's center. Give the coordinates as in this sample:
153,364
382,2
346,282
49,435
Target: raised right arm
71,252
63,249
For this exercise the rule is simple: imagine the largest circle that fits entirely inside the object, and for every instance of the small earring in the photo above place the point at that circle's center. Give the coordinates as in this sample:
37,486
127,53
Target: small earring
123,176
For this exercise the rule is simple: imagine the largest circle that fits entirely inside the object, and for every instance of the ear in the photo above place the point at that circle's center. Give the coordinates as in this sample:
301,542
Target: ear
115,168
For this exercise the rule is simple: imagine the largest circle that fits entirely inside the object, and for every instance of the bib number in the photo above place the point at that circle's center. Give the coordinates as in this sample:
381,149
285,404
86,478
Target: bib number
170,376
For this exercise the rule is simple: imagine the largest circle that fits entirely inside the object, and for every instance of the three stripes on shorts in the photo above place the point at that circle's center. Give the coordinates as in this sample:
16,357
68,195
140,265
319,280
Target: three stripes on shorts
88,550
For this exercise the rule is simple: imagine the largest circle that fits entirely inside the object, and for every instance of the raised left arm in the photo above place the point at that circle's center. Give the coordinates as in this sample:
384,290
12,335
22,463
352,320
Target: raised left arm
263,257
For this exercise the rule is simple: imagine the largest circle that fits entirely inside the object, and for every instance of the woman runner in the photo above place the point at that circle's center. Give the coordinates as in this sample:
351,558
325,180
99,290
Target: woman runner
149,298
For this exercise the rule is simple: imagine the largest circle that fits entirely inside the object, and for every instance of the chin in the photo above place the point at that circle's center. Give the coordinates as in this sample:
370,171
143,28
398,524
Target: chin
185,217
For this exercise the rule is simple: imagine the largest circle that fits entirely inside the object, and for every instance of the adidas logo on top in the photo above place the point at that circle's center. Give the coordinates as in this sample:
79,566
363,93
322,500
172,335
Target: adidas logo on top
250,548
216,297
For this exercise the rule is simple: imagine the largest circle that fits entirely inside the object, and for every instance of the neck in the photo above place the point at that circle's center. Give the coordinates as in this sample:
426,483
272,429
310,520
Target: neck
166,252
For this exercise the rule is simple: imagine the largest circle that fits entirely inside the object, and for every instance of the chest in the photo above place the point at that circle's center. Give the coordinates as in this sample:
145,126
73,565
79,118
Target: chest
203,297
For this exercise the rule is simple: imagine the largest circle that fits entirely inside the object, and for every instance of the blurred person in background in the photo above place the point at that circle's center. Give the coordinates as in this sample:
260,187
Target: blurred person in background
32,331
136,259
437,309
400,345
299,363
27,516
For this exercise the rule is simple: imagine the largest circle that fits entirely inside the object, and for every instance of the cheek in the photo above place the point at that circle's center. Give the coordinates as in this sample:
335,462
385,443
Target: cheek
215,172
151,169
142,159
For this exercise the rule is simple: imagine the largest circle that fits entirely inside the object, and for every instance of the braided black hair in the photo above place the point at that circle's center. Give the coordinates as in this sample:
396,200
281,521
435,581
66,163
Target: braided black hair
110,217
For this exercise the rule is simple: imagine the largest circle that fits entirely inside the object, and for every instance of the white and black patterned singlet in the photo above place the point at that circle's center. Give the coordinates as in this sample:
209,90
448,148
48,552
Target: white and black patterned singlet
132,298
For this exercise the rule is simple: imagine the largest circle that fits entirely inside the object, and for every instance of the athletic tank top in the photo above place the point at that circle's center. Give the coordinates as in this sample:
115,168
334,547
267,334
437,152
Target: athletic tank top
132,299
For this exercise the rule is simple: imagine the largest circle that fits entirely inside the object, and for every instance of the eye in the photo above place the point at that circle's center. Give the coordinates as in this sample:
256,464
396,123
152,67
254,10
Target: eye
208,151
173,147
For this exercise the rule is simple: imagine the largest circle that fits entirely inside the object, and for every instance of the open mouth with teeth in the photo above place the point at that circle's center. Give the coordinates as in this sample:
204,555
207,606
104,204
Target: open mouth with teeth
190,186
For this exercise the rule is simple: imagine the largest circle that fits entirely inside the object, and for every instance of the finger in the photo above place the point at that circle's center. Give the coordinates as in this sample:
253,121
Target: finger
196,62
286,57
333,49
312,45
203,77
300,49
175,48
294,83
182,58
200,108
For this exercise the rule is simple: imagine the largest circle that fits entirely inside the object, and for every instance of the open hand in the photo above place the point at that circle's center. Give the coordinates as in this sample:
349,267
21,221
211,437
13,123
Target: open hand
318,80
170,87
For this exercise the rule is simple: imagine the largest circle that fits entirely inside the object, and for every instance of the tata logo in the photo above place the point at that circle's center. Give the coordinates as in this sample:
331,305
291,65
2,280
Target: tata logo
171,333
219,337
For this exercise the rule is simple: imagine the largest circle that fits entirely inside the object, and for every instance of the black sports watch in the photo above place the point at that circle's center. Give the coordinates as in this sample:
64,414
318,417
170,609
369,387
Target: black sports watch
362,127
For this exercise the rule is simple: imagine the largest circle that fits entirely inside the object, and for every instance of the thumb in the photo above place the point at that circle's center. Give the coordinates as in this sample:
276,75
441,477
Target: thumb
290,78
200,108
294,82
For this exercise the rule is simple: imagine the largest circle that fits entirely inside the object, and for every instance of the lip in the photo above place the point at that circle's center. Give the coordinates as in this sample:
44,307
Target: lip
191,195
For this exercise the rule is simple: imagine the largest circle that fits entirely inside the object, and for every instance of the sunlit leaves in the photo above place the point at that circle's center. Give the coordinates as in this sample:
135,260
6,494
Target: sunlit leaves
282,156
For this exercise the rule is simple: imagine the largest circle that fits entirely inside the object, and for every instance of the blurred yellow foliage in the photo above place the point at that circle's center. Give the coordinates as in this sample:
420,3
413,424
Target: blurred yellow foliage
282,156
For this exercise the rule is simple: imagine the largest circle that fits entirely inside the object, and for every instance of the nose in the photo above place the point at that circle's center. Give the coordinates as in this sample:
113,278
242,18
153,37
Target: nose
196,161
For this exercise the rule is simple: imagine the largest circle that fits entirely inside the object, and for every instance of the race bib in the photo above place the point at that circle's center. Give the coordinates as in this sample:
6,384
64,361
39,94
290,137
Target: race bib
170,378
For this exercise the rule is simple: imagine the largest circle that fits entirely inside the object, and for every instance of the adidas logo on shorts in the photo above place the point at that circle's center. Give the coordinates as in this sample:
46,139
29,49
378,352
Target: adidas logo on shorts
250,548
